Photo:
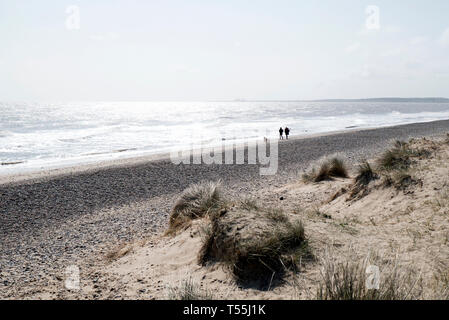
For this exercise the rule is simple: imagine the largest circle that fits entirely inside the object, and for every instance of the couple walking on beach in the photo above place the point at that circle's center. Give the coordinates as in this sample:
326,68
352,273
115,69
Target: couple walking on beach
281,133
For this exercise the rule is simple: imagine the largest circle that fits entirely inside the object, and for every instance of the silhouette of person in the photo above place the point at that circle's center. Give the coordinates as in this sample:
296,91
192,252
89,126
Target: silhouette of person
287,132
281,133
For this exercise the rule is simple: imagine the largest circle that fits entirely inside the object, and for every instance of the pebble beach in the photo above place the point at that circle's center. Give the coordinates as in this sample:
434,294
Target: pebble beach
50,220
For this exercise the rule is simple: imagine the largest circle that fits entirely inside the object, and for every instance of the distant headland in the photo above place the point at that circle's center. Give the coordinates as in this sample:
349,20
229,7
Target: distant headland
429,100
422,100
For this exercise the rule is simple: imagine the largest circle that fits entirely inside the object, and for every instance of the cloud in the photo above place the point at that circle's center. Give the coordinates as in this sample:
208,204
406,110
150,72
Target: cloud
391,53
353,47
365,31
413,64
366,72
393,29
180,68
104,36
444,39
418,40
389,29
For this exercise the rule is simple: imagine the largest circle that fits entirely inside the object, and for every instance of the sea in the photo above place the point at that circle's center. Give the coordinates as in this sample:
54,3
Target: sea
36,136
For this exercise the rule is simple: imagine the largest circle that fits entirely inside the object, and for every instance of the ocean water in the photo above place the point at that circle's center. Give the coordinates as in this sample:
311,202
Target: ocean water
37,135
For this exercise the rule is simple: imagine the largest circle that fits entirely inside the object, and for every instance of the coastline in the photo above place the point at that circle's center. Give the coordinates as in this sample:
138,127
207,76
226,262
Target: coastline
69,216
34,174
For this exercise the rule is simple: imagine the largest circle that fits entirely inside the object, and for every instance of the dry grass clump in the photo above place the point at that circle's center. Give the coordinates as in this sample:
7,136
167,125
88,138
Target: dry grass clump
248,204
276,215
447,138
400,156
196,201
349,281
329,169
396,158
395,164
188,290
257,246
365,174
441,284
400,179
441,202
338,168
118,252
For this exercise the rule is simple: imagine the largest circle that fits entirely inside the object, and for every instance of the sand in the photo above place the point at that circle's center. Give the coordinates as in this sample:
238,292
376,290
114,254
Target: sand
51,220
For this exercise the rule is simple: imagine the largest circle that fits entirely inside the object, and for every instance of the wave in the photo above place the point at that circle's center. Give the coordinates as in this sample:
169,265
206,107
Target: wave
41,134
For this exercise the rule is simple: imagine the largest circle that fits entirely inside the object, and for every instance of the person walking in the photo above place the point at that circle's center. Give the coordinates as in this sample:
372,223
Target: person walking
287,132
281,133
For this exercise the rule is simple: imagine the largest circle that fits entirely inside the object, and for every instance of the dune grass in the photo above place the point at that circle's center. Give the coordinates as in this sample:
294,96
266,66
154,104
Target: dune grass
349,281
196,201
396,158
260,260
441,284
260,253
338,168
328,169
188,290
276,215
248,203
118,252
399,157
365,174
441,202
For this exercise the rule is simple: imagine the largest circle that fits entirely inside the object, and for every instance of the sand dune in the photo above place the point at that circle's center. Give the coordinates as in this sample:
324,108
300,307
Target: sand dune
50,221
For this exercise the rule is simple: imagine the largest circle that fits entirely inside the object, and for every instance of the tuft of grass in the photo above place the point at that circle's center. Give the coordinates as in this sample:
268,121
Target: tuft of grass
400,144
329,169
277,215
365,174
260,260
118,252
348,281
257,254
400,156
196,201
441,202
249,204
393,159
309,176
401,179
323,173
188,290
441,287
396,158
338,168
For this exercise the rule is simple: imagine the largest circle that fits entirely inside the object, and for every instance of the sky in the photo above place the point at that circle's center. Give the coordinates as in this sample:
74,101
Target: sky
126,50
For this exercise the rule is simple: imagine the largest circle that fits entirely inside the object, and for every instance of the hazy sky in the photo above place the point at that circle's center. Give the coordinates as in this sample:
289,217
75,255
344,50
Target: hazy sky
221,50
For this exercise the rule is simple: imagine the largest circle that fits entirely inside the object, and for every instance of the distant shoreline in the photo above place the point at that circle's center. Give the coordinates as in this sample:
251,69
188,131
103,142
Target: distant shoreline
386,100
58,170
